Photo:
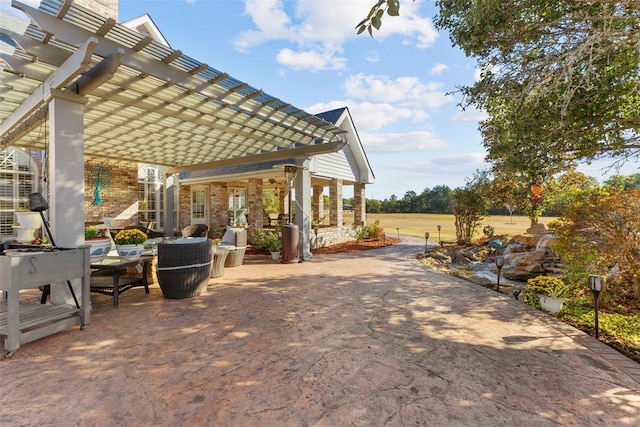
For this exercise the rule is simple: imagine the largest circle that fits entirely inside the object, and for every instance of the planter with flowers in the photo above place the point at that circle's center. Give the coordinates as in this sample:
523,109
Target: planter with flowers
99,240
551,292
130,243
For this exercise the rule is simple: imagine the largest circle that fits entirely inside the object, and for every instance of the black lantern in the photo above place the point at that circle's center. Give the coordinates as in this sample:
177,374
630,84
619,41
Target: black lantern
596,284
426,241
439,239
499,265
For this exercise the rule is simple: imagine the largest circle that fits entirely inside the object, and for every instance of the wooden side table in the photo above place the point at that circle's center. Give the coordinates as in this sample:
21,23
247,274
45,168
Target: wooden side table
219,257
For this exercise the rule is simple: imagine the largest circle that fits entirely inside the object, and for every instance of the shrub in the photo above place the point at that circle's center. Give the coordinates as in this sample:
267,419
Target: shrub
267,241
371,231
600,235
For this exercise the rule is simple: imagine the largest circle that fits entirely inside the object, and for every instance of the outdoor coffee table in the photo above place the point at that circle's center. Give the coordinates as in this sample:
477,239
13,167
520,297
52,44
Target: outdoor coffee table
107,277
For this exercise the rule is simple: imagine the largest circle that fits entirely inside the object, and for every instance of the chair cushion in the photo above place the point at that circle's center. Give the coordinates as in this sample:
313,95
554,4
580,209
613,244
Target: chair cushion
226,246
183,240
229,236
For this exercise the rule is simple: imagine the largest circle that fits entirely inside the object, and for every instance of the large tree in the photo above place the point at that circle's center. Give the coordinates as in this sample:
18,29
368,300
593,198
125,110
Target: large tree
559,81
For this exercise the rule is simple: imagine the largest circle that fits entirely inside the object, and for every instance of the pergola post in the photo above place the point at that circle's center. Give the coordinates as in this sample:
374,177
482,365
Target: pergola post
66,179
170,185
303,207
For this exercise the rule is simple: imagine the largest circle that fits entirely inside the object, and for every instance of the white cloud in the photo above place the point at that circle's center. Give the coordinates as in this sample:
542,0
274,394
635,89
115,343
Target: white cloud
323,27
410,24
439,69
371,116
377,143
469,115
460,166
406,91
372,56
310,60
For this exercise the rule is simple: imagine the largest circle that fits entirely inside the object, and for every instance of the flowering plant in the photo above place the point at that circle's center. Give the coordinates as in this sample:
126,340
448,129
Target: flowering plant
552,287
95,232
131,236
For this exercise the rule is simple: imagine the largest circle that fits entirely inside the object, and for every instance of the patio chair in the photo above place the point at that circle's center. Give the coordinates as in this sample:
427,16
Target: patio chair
195,230
234,240
183,269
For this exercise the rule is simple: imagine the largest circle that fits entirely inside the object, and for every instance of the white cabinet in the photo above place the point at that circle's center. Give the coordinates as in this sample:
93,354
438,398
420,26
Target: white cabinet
23,322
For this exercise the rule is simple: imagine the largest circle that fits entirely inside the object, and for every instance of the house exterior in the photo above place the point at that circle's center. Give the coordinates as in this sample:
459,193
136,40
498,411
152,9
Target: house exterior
176,191
229,193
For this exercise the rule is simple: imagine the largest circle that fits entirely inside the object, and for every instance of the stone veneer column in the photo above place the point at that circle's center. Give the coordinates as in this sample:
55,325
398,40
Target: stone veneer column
359,204
254,204
317,202
219,206
335,201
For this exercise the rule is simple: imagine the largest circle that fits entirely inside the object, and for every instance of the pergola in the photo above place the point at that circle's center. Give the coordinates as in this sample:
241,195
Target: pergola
108,91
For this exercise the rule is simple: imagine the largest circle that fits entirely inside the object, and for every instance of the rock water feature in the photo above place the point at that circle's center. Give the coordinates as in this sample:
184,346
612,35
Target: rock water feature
525,256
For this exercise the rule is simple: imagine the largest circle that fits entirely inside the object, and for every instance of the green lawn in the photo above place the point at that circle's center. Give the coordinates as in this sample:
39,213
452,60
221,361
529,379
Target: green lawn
417,224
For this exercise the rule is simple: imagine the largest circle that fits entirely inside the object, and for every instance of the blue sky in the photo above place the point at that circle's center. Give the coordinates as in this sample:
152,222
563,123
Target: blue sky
307,53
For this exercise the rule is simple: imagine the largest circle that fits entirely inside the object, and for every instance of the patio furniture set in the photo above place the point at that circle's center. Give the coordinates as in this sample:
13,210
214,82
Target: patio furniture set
184,266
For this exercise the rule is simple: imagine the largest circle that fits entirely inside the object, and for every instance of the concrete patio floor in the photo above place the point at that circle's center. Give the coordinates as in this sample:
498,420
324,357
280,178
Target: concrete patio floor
367,339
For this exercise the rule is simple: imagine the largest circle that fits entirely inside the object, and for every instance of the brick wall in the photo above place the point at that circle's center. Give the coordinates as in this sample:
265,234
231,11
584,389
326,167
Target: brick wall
118,193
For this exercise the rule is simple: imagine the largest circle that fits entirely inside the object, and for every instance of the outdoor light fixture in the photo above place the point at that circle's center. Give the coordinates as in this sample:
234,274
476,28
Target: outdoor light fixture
426,241
315,230
290,176
499,265
439,239
398,230
596,283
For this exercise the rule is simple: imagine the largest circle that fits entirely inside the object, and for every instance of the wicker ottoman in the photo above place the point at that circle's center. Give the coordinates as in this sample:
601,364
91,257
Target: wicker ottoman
183,269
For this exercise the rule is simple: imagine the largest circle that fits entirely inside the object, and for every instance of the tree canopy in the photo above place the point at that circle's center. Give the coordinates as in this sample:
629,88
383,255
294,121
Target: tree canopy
559,78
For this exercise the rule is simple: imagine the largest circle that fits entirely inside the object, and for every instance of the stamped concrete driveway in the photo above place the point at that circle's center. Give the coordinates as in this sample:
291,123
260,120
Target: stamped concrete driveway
366,339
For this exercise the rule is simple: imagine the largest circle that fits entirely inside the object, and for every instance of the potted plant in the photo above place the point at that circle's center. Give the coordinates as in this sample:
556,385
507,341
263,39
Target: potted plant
130,243
27,222
274,246
268,241
550,290
99,238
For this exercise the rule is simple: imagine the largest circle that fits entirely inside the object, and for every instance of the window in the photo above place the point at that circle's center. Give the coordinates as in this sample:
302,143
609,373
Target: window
151,196
237,206
199,207
17,180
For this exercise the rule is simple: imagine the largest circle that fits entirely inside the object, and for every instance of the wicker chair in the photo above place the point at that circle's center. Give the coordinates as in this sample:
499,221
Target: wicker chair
195,230
234,241
183,269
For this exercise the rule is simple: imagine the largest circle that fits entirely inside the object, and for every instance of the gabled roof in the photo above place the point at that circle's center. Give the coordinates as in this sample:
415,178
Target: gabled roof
340,117
145,25
146,102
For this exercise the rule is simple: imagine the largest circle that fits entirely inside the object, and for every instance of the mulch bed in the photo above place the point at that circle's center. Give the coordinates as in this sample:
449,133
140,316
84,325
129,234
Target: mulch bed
347,247
353,246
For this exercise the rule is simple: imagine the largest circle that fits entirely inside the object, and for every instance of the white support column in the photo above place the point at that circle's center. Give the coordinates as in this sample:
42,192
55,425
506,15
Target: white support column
170,185
66,180
303,207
